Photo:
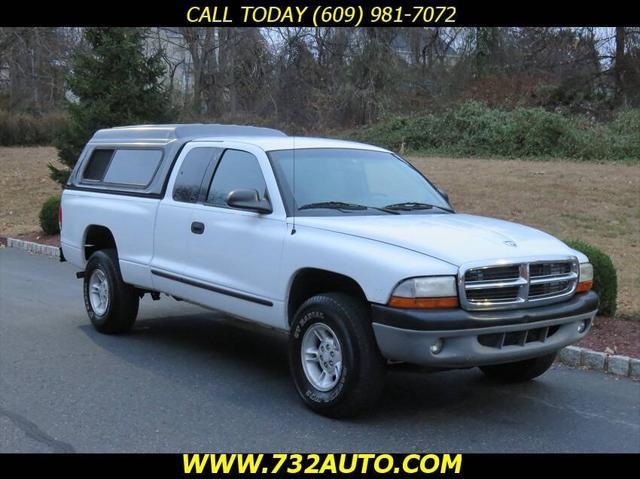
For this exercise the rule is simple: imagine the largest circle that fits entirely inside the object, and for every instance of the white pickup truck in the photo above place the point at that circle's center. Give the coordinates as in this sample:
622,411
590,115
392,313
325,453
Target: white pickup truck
344,246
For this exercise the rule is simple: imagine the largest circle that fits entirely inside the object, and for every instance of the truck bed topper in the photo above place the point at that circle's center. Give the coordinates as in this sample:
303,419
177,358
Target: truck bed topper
166,140
187,131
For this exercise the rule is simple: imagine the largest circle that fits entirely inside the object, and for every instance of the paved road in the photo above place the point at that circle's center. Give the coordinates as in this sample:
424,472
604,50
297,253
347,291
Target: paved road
188,379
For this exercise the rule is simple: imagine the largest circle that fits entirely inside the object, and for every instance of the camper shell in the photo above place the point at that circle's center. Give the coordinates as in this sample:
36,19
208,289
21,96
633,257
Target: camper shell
167,140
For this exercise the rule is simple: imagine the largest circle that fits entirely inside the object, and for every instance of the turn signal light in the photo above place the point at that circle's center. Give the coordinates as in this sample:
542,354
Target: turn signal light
584,286
423,303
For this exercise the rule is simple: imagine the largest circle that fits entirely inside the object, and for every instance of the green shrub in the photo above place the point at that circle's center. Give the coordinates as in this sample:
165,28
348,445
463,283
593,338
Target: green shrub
22,129
605,279
624,132
474,129
49,216
537,132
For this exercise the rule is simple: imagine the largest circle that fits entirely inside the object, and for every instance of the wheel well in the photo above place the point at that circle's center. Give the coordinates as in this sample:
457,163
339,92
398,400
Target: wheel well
97,238
311,281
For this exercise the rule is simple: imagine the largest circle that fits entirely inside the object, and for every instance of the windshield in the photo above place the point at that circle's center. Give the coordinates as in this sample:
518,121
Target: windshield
348,181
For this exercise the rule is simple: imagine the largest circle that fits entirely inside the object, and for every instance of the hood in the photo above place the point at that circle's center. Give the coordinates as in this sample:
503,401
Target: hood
454,238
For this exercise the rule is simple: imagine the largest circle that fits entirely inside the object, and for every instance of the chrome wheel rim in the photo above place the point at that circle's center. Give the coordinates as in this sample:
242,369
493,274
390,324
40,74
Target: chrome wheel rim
321,356
99,292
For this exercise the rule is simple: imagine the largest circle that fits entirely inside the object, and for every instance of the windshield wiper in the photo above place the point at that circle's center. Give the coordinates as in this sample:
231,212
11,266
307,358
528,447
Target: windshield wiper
412,205
335,205
341,205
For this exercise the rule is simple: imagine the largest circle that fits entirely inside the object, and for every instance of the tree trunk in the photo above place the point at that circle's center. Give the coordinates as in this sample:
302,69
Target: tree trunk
619,66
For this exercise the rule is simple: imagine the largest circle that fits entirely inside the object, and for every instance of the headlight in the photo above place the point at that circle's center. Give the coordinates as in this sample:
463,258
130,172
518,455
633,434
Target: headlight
426,293
585,280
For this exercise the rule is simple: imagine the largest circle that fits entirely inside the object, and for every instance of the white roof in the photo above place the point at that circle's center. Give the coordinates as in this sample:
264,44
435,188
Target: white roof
273,143
268,139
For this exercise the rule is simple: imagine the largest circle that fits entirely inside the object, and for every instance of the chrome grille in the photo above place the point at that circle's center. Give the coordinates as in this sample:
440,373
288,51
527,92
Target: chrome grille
492,274
549,269
495,294
518,284
548,289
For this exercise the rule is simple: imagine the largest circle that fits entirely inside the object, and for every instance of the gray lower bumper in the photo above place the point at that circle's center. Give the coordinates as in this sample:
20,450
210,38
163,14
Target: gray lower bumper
480,346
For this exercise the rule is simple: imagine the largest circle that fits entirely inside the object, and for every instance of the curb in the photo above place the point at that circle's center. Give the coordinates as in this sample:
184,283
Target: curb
32,247
623,366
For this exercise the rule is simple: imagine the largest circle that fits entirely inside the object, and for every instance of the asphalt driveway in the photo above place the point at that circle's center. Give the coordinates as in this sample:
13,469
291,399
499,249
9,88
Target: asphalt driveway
187,379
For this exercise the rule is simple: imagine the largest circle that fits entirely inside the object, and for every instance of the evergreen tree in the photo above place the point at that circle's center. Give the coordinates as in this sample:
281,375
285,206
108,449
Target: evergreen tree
114,83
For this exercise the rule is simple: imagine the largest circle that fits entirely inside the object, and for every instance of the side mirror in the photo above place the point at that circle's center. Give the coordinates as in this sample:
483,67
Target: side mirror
248,200
444,194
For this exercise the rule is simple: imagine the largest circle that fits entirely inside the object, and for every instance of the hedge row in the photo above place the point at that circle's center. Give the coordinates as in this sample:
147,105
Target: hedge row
605,277
21,129
473,129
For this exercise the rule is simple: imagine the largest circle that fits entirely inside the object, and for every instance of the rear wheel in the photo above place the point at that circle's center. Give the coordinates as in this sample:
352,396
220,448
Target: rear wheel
335,363
112,304
520,370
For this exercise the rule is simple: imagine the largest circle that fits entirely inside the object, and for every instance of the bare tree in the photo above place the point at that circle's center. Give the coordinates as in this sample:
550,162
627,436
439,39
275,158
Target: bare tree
34,62
327,77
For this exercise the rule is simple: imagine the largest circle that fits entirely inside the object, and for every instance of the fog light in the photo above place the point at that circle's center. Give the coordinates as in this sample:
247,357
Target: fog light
582,326
436,347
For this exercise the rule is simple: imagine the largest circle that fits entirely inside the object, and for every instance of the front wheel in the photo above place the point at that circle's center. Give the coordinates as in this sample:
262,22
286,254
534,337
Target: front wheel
520,370
112,304
335,363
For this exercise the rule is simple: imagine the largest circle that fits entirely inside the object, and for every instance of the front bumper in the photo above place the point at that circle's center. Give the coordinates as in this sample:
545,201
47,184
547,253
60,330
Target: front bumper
478,338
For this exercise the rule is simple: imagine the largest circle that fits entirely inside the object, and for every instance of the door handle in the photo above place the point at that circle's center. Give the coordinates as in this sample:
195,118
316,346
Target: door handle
197,227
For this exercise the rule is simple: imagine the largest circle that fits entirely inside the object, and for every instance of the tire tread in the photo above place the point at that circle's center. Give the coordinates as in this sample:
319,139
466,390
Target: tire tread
124,301
369,379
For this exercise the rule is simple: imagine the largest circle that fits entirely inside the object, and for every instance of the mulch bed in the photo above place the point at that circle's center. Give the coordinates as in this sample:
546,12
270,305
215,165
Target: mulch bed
614,336
39,237
610,335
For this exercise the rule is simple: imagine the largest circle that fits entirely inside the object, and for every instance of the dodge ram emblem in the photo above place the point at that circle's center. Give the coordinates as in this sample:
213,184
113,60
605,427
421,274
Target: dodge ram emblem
511,243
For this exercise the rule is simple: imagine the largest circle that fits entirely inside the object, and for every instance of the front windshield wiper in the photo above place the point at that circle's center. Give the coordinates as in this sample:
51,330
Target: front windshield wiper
412,205
341,205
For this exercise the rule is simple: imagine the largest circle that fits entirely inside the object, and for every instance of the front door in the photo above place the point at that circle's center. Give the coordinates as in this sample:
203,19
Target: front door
234,255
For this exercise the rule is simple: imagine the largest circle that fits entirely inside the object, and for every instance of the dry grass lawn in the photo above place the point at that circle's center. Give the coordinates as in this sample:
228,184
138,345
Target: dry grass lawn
24,186
596,203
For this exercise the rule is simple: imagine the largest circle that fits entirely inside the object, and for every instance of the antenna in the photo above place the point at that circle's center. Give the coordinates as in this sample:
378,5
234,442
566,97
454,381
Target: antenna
293,228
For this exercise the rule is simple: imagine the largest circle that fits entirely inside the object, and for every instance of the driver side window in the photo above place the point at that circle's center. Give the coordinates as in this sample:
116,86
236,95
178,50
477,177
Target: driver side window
236,170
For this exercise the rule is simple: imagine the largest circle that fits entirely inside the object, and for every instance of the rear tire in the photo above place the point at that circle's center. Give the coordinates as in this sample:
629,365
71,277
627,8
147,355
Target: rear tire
520,371
335,327
112,304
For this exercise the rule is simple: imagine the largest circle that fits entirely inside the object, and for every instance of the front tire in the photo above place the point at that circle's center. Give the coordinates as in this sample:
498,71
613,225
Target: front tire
521,370
334,360
112,304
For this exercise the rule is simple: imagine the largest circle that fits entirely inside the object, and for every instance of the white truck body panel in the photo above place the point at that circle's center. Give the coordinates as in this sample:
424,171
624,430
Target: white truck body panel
456,239
249,253
130,219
